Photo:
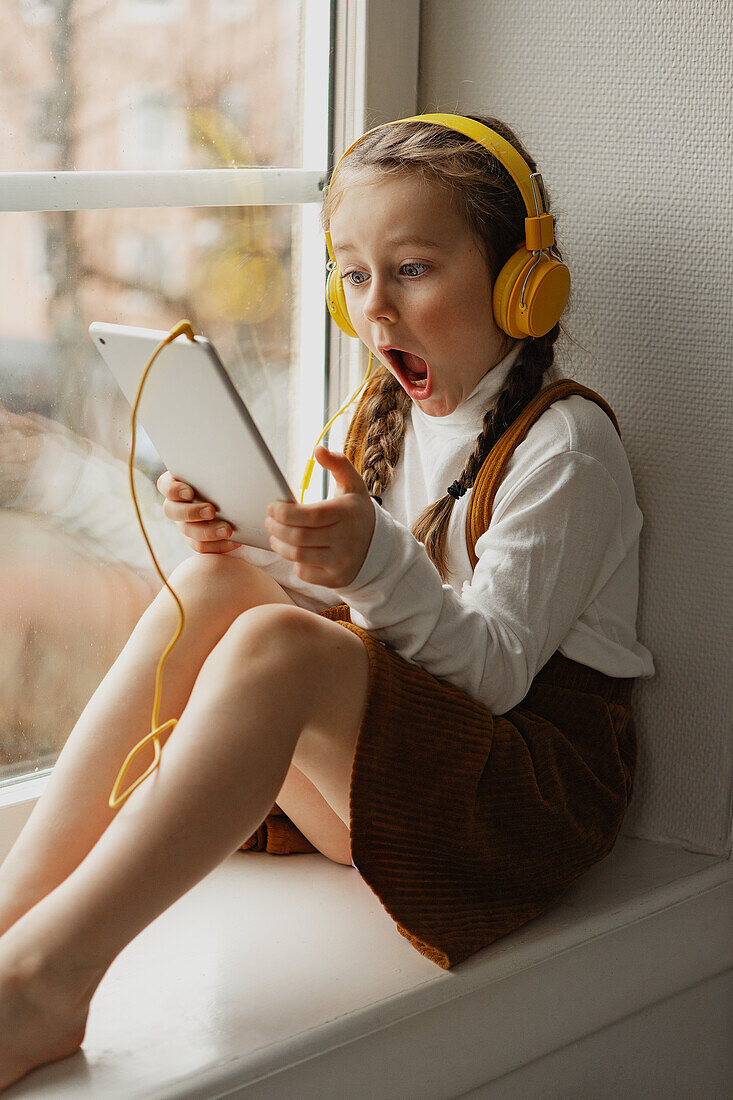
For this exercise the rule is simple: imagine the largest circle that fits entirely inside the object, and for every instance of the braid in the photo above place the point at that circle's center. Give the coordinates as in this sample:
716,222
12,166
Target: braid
523,382
385,412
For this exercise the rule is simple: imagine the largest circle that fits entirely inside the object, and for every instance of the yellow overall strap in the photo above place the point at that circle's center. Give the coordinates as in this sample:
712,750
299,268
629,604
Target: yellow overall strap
355,441
489,476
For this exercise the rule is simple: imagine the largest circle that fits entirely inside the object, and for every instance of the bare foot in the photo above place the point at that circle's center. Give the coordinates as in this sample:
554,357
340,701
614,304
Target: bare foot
43,1014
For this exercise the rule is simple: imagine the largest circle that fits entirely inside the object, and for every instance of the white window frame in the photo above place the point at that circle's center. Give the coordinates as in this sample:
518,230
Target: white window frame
374,79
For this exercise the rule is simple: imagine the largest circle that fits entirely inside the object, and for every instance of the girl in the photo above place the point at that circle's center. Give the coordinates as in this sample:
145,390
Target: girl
455,718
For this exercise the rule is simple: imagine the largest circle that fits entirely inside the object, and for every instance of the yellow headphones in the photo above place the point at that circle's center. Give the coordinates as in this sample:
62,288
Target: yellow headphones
532,288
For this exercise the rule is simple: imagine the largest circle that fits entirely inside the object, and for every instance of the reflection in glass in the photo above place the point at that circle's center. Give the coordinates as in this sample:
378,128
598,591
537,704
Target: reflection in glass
89,86
74,570
92,85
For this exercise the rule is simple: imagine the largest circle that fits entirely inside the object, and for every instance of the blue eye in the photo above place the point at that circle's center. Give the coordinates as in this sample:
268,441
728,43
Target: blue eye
415,265
348,275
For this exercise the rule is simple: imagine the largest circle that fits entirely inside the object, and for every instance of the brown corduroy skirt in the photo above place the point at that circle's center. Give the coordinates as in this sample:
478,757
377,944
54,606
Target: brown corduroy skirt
465,824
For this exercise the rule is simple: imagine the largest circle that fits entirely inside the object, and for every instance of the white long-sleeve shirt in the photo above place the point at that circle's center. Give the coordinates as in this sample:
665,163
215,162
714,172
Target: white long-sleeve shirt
557,568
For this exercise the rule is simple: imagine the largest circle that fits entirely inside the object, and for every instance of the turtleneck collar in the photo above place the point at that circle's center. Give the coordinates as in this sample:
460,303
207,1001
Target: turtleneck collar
473,408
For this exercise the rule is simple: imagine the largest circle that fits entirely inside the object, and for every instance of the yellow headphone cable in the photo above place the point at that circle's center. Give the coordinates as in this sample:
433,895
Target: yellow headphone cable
183,328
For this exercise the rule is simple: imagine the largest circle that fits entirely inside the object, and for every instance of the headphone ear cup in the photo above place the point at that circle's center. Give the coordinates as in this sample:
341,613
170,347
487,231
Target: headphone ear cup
505,282
336,302
545,295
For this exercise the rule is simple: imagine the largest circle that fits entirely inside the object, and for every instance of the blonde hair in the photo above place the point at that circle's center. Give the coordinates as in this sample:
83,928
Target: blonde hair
490,203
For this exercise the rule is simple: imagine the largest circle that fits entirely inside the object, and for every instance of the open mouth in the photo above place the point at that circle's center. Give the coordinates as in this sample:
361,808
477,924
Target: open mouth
412,371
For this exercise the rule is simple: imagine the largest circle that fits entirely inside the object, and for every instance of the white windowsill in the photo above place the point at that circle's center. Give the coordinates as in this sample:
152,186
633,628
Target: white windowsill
283,977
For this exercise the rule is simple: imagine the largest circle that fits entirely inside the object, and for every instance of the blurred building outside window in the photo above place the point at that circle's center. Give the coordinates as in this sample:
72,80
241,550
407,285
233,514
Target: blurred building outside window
35,13
84,90
152,129
151,11
234,10
235,100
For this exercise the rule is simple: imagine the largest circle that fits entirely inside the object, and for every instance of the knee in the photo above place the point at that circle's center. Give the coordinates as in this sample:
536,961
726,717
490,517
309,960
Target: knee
282,636
212,579
213,587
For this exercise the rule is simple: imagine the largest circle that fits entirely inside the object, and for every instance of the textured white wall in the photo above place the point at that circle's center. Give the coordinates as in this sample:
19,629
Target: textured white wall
626,108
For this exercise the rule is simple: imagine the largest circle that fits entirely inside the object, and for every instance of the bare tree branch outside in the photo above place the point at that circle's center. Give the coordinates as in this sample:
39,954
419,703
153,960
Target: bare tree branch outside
87,86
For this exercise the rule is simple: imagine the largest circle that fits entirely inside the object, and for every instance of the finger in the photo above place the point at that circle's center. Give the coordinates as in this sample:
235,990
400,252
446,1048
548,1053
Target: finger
163,482
221,546
323,514
199,511
172,488
213,547
313,574
303,555
298,536
206,532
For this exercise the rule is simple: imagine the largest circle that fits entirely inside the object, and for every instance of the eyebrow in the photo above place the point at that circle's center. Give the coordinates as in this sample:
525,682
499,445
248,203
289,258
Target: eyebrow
408,239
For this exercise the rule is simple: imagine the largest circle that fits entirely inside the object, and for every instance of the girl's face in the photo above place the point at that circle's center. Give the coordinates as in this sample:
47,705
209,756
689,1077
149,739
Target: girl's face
416,281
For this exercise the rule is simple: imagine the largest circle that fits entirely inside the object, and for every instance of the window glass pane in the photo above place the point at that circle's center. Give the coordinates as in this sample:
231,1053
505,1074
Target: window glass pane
158,84
75,574
91,85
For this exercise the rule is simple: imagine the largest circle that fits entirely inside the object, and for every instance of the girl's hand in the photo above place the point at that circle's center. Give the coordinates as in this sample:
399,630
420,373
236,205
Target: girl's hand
195,518
328,540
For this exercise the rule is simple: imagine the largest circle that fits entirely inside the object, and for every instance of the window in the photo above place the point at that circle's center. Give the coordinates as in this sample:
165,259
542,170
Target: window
234,102
142,173
151,11
84,237
157,261
35,13
234,10
152,130
44,123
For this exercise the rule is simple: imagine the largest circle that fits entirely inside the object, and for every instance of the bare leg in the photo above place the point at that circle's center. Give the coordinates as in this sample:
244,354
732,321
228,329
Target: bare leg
218,777
73,812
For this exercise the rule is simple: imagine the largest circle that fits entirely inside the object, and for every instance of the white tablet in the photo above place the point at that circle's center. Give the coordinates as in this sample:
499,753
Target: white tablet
198,423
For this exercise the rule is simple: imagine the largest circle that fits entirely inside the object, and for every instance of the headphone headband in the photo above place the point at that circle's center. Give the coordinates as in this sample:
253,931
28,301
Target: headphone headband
532,288
504,151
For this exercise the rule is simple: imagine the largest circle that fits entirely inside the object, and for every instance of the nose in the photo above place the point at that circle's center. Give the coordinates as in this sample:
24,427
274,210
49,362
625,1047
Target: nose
379,301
